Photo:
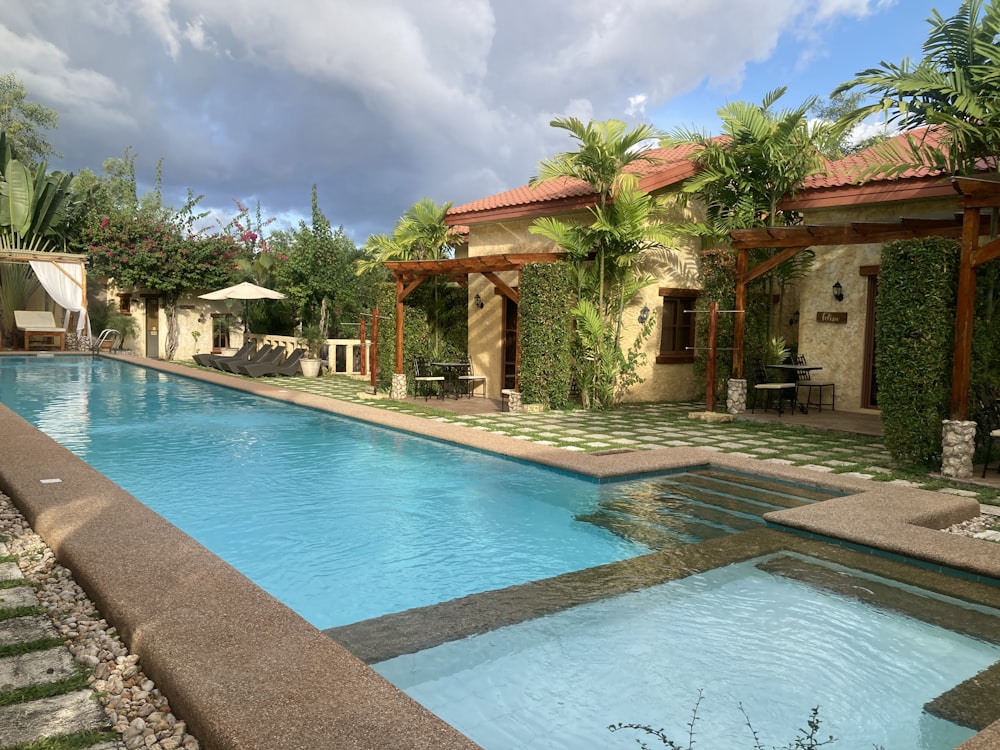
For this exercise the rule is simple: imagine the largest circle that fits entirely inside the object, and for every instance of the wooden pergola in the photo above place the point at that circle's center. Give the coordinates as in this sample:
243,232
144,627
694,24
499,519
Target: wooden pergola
410,274
976,195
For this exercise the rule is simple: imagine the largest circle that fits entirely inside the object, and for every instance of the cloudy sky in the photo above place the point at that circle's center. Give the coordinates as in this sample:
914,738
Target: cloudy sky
384,102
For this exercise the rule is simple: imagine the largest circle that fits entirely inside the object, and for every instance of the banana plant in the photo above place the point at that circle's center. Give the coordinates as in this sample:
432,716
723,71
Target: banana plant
32,203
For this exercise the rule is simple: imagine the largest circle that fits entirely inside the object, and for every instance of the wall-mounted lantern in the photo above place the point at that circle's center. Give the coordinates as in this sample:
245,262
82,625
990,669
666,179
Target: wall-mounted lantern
838,292
478,302
643,315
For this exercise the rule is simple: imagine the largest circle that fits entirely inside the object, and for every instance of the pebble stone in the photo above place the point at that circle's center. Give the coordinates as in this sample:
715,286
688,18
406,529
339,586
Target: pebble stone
134,707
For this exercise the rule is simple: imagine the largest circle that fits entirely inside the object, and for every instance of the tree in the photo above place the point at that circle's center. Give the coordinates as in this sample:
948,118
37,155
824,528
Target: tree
33,203
22,119
160,251
847,140
954,89
625,222
761,157
421,234
318,276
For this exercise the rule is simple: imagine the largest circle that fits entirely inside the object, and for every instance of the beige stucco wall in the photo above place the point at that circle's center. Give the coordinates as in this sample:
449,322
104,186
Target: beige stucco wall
839,348
674,268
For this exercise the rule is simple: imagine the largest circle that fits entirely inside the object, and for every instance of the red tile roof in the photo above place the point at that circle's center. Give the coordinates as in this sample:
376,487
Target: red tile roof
566,194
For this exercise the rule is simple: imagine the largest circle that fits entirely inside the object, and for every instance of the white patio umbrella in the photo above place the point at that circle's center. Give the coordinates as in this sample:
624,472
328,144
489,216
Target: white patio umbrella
243,291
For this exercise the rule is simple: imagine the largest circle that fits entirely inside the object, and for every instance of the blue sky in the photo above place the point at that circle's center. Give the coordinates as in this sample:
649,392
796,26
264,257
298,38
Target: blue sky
383,102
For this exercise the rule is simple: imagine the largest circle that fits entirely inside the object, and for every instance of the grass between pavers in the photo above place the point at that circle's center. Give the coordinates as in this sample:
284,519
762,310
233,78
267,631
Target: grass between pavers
76,741
26,647
25,611
78,681
13,583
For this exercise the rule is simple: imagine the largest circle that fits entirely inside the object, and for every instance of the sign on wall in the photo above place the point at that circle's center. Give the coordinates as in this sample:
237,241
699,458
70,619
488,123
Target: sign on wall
831,317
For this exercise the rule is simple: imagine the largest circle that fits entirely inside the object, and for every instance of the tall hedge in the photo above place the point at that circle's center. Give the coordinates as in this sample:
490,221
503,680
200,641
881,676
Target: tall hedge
416,337
546,334
915,331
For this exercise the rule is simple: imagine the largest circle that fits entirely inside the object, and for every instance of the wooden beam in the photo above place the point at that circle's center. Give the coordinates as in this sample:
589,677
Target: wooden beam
986,253
399,324
402,293
512,294
761,268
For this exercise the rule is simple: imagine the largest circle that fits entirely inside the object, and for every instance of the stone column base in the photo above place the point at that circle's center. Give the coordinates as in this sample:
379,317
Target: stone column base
736,396
511,398
397,390
958,444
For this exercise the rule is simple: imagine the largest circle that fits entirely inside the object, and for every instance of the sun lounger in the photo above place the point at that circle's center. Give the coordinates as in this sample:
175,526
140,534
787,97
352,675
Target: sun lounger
261,354
208,360
39,324
271,357
290,366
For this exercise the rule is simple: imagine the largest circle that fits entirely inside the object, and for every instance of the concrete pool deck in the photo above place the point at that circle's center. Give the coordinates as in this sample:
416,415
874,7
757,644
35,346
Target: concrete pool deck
246,672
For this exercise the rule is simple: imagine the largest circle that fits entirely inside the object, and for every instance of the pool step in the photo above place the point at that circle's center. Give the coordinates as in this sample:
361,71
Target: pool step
691,507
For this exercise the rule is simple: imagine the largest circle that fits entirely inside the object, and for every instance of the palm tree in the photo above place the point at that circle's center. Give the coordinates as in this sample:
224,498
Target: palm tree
953,89
420,234
625,222
761,157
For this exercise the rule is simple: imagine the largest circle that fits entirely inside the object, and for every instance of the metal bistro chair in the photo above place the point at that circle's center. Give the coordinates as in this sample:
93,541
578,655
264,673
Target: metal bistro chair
762,386
989,418
424,380
803,380
469,378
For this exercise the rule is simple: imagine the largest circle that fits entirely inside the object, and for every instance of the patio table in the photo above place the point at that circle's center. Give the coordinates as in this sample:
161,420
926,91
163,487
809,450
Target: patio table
451,371
794,370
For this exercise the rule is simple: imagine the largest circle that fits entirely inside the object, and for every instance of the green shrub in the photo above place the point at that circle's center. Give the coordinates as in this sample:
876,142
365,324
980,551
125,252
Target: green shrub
416,336
546,334
915,330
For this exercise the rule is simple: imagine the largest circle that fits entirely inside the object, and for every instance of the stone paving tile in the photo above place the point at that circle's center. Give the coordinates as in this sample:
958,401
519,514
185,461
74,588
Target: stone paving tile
18,596
28,628
35,668
50,717
10,572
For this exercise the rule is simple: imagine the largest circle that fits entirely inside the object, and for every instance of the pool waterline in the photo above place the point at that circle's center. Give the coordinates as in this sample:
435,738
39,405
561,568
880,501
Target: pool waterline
917,502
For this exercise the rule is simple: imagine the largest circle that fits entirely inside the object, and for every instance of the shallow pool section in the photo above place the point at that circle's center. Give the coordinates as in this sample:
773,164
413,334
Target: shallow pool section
770,634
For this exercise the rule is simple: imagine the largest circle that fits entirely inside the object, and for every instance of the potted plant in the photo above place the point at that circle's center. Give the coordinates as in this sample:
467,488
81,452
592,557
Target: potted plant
775,353
125,324
312,340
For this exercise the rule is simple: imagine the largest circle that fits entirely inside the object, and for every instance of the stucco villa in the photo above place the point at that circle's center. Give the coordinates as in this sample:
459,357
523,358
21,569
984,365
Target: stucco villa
845,224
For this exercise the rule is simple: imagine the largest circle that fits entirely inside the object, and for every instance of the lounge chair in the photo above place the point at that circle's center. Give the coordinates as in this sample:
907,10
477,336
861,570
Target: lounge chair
208,360
271,357
224,364
263,354
290,366
39,324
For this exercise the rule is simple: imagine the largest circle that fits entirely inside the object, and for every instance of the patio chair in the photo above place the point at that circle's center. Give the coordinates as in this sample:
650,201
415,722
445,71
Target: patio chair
767,389
424,380
207,360
803,380
469,378
989,418
226,365
289,366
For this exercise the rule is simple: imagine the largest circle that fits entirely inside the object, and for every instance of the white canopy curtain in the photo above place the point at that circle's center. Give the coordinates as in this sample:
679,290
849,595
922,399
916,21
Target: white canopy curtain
66,283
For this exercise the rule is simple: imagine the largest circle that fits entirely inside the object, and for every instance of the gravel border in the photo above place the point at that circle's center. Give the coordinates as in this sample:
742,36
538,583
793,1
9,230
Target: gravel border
133,706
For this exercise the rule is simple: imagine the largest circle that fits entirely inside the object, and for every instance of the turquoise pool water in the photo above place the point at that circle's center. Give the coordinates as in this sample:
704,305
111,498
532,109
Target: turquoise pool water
340,520
743,636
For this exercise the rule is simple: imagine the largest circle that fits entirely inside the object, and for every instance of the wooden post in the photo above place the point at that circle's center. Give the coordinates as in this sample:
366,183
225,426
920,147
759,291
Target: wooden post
374,349
964,314
364,352
739,324
713,333
399,325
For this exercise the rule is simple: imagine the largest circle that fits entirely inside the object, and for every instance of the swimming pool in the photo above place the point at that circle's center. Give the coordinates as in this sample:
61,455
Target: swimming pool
765,634
315,508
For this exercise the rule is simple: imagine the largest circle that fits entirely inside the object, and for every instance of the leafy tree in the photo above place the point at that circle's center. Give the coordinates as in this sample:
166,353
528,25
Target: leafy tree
319,277
33,202
954,88
762,156
836,109
22,120
625,222
160,251
422,234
